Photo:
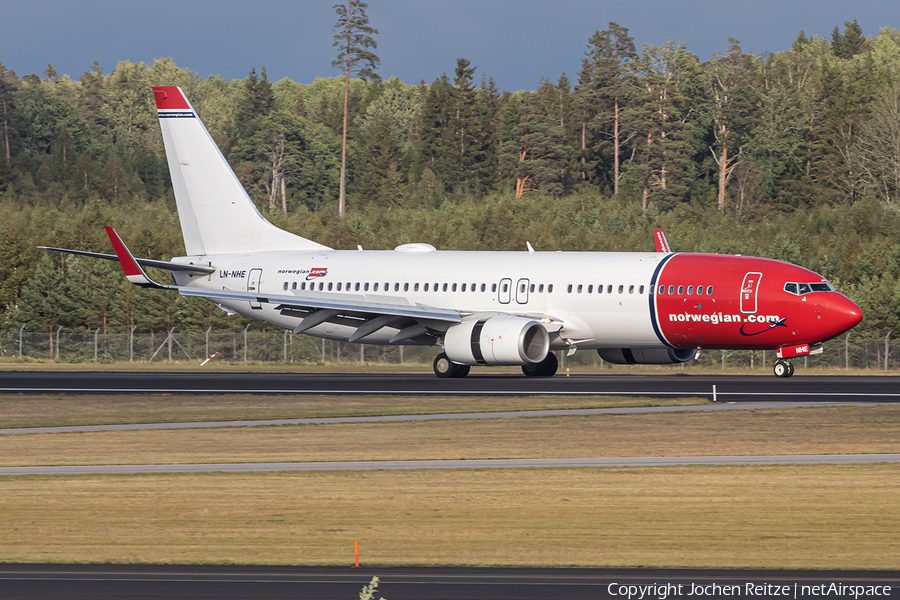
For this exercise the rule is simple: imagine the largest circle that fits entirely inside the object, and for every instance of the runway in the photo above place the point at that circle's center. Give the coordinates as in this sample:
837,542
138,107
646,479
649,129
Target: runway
424,583
728,388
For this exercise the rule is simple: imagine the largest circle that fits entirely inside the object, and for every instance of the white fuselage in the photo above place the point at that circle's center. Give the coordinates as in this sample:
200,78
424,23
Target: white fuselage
560,285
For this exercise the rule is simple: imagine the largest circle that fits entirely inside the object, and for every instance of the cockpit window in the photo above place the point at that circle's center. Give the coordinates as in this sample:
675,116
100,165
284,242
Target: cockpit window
799,289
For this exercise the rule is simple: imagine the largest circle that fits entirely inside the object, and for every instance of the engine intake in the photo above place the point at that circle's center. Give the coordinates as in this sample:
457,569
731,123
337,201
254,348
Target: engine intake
646,356
497,341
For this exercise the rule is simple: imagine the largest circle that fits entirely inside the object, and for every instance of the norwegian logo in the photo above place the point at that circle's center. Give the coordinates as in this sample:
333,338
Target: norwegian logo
316,272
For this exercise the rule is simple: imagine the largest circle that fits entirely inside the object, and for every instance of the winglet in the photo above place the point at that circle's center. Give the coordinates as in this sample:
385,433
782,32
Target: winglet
132,269
662,245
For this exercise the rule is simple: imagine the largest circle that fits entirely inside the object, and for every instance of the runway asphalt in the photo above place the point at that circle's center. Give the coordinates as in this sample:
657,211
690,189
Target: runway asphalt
742,388
426,583
405,465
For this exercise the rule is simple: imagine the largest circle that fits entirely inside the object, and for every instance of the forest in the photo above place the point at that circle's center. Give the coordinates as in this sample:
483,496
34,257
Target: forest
793,156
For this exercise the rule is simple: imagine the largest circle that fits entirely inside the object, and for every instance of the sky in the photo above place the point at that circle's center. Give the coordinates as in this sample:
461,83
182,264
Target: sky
516,41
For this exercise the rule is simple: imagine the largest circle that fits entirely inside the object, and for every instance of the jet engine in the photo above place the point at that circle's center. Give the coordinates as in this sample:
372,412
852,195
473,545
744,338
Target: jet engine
646,356
497,341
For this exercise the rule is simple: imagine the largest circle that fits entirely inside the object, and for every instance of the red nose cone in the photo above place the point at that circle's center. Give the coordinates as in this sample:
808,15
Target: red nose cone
843,314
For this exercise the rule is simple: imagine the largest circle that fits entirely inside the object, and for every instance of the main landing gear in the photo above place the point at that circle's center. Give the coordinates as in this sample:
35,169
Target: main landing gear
444,367
783,368
545,368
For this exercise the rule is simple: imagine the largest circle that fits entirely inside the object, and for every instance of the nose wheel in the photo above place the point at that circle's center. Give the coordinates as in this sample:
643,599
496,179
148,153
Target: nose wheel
783,368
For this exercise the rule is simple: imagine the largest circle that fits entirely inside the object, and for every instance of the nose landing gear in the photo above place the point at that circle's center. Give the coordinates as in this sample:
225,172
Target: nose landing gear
783,368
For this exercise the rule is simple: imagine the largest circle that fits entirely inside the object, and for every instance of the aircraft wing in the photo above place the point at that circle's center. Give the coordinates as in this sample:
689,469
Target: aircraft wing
144,262
314,304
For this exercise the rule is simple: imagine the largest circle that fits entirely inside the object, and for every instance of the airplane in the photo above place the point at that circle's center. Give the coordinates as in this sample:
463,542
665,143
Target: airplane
482,308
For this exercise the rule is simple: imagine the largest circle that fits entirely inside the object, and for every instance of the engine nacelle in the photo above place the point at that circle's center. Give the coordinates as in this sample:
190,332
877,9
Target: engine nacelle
646,356
497,341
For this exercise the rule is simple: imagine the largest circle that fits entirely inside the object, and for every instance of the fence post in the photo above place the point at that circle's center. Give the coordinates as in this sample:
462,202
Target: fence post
323,351
21,329
57,342
207,341
886,348
96,336
131,344
362,354
285,345
723,360
245,341
847,351
401,355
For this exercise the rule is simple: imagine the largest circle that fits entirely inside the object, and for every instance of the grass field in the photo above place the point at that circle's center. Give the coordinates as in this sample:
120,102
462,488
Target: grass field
838,430
812,516
60,409
837,517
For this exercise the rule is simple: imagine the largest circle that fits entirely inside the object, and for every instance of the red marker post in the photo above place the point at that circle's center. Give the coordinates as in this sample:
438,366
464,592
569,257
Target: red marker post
356,552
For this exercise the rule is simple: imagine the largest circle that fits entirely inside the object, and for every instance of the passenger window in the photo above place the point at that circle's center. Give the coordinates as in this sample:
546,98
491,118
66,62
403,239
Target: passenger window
690,290
570,288
709,290
541,289
599,289
590,289
464,287
579,288
357,286
426,287
662,290
454,287
303,286
366,287
699,290
445,287
641,290
493,287
294,286
330,286
680,290
531,289
609,289
483,286
621,289
630,289
285,285
550,289
375,287
416,287
671,289
396,287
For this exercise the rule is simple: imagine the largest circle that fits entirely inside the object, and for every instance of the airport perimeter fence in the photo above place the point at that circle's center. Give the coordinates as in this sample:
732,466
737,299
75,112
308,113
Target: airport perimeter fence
280,346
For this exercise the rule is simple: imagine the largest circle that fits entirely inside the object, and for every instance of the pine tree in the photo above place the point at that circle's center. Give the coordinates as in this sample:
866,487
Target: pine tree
353,38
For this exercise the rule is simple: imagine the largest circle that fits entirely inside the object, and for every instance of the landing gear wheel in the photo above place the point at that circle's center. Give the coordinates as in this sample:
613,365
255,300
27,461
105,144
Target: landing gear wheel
545,368
783,369
444,367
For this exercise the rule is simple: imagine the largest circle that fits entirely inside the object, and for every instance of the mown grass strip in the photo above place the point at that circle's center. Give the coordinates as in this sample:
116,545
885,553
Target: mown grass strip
838,517
56,410
832,430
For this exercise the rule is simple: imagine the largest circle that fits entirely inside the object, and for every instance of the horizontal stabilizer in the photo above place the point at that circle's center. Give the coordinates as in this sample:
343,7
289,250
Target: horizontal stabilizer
144,262
130,266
